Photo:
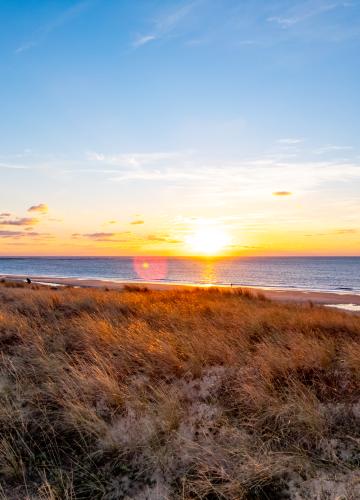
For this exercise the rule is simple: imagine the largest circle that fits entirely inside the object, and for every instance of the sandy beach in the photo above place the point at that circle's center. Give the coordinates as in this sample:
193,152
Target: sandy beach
300,296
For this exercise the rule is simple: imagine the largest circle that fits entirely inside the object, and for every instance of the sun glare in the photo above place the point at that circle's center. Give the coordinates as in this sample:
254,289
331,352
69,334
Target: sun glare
208,241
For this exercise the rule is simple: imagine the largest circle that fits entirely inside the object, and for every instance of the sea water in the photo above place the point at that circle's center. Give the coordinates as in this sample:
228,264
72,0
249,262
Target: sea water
336,274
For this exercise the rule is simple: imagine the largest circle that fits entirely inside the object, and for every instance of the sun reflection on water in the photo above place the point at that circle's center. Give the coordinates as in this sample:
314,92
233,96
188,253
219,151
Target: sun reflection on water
208,273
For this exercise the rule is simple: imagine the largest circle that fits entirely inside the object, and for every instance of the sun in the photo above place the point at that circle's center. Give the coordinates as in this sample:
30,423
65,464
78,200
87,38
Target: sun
208,241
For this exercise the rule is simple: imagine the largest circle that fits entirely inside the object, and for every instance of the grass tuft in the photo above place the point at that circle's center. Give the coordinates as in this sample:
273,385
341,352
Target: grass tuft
185,394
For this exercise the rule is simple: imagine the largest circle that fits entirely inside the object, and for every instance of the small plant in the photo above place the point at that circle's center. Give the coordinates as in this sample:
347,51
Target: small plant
135,288
181,394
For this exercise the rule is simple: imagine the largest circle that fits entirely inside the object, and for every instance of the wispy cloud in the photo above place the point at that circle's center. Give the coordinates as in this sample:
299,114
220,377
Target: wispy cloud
143,40
347,231
166,23
163,238
63,18
332,148
291,141
23,234
110,237
110,222
209,184
24,221
13,166
306,10
135,159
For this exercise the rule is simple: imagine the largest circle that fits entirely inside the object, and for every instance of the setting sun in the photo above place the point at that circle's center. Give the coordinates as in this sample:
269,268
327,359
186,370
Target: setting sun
208,241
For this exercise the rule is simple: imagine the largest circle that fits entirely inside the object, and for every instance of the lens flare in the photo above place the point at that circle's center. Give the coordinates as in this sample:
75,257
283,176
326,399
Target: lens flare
151,268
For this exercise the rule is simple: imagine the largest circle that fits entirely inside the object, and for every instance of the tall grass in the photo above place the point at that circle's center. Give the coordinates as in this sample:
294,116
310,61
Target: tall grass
183,394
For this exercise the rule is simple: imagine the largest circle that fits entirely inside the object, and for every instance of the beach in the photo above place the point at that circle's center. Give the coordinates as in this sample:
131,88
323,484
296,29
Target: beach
338,299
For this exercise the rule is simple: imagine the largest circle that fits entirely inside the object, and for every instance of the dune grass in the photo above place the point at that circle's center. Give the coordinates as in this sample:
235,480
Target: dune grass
197,394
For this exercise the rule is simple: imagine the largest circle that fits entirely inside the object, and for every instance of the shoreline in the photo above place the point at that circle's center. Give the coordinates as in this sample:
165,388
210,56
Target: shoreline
282,295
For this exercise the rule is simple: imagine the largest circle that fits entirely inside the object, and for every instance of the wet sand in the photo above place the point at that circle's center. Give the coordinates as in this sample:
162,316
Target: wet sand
301,296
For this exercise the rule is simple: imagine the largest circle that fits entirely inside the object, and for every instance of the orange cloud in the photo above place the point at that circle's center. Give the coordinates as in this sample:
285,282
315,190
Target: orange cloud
42,208
123,237
97,236
346,231
162,238
24,221
136,222
282,193
23,234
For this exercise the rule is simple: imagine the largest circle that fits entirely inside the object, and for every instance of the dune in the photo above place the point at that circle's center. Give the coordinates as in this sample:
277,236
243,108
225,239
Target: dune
176,394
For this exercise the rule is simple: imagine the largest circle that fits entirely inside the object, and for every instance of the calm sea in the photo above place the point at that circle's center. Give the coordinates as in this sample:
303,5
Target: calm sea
340,274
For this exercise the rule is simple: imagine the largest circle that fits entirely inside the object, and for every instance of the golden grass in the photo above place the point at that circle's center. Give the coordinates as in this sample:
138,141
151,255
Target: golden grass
176,395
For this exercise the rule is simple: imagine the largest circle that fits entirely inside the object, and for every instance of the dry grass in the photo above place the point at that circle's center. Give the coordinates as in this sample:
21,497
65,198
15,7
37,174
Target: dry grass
176,395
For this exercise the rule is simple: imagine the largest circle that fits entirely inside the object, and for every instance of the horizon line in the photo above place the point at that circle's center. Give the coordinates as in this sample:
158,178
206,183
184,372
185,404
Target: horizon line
207,257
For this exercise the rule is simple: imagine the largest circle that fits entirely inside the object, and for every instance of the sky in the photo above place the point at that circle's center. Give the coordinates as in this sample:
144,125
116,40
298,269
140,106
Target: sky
155,127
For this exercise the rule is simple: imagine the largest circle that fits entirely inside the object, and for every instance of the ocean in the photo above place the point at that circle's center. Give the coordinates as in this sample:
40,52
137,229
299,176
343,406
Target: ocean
331,274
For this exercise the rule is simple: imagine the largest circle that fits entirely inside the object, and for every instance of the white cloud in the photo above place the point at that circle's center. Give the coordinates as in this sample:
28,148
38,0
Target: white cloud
64,17
13,166
291,140
135,159
306,10
25,46
332,148
166,23
143,40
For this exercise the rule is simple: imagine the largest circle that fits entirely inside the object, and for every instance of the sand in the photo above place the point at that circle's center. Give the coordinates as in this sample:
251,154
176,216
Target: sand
301,296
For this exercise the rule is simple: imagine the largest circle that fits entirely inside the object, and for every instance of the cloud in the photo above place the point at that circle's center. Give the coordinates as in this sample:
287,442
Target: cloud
11,166
282,193
304,11
15,234
346,231
162,238
5,214
170,174
122,237
143,40
23,234
96,236
134,159
257,175
291,140
332,148
126,237
137,222
64,17
247,25
335,231
42,208
26,46
24,221
166,24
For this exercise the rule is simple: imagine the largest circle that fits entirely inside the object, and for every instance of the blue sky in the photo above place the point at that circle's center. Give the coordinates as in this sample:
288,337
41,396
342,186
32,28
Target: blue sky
180,111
